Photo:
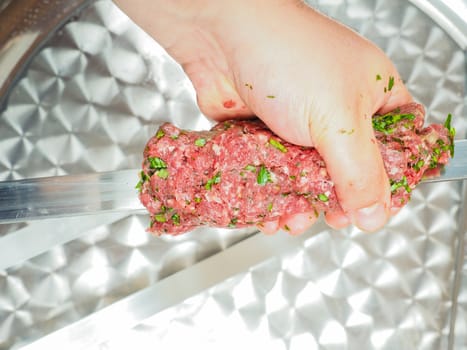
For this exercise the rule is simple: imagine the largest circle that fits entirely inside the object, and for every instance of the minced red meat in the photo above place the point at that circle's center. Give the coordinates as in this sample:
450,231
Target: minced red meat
239,173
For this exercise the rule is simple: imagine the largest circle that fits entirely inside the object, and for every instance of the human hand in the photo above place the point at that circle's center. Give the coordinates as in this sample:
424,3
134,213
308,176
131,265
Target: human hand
313,81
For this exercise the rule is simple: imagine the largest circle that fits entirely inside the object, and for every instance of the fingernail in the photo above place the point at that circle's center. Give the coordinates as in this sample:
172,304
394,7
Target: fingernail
371,218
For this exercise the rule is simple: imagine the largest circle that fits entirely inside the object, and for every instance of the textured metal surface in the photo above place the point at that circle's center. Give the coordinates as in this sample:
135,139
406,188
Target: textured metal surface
88,103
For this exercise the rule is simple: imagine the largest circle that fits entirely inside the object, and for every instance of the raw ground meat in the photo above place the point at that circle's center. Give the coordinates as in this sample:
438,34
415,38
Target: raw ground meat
240,174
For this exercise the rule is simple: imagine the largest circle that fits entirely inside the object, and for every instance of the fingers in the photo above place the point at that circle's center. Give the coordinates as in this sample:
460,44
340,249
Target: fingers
216,96
398,96
294,224
269,227
354,163
297,223
337,219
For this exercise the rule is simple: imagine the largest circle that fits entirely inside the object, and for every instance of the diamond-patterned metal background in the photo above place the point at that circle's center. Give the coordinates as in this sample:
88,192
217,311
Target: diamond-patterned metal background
89,101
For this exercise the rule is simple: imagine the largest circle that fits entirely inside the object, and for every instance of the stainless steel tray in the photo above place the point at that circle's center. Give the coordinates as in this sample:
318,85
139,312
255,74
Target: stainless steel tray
85,99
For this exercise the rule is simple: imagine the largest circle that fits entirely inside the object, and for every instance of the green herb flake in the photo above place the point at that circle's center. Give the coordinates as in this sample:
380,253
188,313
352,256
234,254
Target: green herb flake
264,176
346,132
201,142
212,181
323,197
160,134
390,83
163,173
198,199
378,77
271,96
292,177
452,133
386,123
249,86
395,185
270,205
143,178
139,186
176,219
156,163
160,217
233,222
276,144
419,165
250,167
434,158
286,228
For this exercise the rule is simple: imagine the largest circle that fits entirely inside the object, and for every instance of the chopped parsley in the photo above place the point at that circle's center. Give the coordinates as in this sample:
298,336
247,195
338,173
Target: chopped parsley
386,123
271,96
287,228
163,173
276,144
435,158
160,133
452,133
347,132
390,83
176,219
270,206
323,197
395,185
198,199
264,176
143,178
250,167
160,217
378,77
200,142
417,166
233,222
249,86
212,181
156,163
159,166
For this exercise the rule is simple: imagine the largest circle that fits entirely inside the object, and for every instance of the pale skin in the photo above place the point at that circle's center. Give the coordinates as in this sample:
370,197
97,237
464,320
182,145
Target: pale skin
313,81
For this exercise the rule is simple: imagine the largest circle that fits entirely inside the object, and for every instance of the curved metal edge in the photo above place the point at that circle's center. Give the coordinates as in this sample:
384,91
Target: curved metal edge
450,15
25,27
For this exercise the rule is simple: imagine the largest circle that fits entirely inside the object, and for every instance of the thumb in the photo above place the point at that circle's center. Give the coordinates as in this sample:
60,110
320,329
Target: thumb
351,153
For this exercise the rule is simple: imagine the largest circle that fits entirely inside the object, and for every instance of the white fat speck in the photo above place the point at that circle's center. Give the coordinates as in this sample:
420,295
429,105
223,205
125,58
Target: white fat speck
273,177
262,138
393,171
211,197
431,138
216,149
323,172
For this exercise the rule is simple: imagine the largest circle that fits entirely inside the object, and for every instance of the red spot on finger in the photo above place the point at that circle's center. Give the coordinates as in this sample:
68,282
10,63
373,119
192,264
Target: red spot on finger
229,104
